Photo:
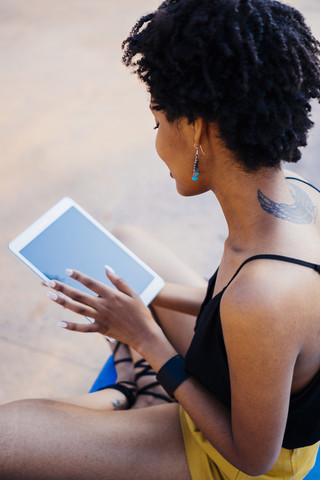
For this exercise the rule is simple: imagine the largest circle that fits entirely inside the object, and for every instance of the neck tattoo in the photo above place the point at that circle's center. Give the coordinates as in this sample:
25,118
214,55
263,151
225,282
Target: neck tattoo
301,211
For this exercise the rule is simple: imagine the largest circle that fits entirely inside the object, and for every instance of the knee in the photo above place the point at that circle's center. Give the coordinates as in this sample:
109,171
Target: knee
23,407
13,416
127,233
18,421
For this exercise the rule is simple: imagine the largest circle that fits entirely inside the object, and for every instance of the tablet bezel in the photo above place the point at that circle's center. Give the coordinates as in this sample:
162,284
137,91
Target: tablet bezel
56,211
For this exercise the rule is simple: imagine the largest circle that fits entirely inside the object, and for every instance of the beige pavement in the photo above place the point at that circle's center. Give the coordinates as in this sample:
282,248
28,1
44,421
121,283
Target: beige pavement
74,122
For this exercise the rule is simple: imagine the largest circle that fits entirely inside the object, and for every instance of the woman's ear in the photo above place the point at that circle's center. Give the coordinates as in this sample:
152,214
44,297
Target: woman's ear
206,132
199,129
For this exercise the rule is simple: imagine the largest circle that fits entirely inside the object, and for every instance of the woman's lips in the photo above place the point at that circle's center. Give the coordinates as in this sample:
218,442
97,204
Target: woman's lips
171,175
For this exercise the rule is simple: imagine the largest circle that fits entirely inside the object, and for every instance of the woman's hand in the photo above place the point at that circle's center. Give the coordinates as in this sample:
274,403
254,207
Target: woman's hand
118,313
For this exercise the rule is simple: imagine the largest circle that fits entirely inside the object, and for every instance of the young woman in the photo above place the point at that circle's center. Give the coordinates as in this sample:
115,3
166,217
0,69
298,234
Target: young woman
230,83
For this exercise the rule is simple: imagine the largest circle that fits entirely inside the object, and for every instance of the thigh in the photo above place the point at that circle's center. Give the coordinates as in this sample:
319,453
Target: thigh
106,399
51,440
178,327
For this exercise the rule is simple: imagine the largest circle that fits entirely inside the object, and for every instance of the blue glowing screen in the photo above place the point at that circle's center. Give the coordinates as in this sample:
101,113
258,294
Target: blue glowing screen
73,241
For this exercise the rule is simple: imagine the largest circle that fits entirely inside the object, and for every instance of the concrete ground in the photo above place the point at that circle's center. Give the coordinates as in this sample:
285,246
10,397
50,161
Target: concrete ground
74,122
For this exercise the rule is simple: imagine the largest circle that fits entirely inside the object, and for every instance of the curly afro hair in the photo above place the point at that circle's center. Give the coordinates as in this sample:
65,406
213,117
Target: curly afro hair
251,66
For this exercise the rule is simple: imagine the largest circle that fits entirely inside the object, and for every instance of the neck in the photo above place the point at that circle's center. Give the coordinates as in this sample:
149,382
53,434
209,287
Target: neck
237,193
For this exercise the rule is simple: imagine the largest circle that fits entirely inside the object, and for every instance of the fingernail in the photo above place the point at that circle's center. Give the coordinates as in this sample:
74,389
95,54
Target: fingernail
53,296
109,269
52,283
62,324
69,272
111,340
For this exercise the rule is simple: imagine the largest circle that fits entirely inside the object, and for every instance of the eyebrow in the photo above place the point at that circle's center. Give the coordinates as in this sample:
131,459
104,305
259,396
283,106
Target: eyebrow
155,107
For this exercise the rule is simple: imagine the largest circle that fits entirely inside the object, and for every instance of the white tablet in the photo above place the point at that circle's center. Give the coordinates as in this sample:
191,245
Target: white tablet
66,236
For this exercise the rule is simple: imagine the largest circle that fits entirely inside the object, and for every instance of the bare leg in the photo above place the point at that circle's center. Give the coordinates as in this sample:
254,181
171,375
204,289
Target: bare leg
146,399
46,440
110,399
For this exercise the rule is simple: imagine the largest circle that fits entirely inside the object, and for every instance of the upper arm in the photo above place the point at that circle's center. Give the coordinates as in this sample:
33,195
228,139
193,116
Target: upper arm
261,356
181,298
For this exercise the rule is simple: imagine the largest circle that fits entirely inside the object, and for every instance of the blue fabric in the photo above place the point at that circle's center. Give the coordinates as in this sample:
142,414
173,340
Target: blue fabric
315,472
107,376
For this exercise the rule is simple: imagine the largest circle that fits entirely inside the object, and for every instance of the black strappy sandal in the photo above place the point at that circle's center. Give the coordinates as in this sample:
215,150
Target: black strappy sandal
146,370
129,389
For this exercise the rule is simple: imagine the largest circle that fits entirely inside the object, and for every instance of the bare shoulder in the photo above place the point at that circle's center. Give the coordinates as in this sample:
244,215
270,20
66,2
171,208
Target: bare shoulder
272,298
290,173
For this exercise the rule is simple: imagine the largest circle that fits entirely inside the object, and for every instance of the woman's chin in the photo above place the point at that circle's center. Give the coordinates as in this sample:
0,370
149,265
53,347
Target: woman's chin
185,191
190,189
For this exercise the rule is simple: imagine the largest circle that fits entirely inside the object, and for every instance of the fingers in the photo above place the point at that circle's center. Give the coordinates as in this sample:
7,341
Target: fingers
98,307
89,282
118,282
73,293
99,288
77,327
77,308
74,306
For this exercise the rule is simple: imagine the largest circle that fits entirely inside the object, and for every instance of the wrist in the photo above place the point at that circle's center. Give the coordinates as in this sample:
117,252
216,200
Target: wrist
156,348
172,374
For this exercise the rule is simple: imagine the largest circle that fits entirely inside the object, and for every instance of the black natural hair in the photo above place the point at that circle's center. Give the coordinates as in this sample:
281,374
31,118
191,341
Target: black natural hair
251,66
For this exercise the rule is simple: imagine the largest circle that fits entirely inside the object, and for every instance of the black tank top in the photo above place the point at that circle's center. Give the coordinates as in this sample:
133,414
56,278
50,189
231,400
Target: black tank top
207,360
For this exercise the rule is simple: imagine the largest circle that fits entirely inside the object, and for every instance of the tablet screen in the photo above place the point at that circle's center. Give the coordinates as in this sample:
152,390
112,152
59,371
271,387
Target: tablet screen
73,241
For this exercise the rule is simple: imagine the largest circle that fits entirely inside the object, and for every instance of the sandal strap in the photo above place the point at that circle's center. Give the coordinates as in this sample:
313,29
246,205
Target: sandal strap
127,388
146,369
116,362
142,363
150,385
144,391
126,359
116,348
144,374
132,384
128,392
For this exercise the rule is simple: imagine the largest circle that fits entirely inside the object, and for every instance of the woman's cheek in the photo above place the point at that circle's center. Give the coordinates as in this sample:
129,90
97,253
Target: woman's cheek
160,148
156,144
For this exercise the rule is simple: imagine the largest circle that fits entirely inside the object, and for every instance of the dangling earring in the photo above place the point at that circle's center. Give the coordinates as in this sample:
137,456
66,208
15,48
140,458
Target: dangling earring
195,173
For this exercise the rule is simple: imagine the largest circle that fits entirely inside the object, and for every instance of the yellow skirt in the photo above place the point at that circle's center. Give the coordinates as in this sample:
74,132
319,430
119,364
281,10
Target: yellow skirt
205,463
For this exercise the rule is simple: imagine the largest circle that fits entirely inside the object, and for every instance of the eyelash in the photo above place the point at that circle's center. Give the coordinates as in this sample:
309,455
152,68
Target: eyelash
157,126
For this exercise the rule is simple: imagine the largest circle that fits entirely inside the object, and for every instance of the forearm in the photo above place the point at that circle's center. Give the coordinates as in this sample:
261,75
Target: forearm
237,445
213,419
180,298
247,449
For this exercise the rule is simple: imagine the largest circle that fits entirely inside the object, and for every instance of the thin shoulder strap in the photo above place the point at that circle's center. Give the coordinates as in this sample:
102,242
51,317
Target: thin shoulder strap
314,266
303,181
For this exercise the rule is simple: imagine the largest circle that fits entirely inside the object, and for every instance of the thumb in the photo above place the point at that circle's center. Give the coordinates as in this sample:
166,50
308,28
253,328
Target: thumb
118,282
